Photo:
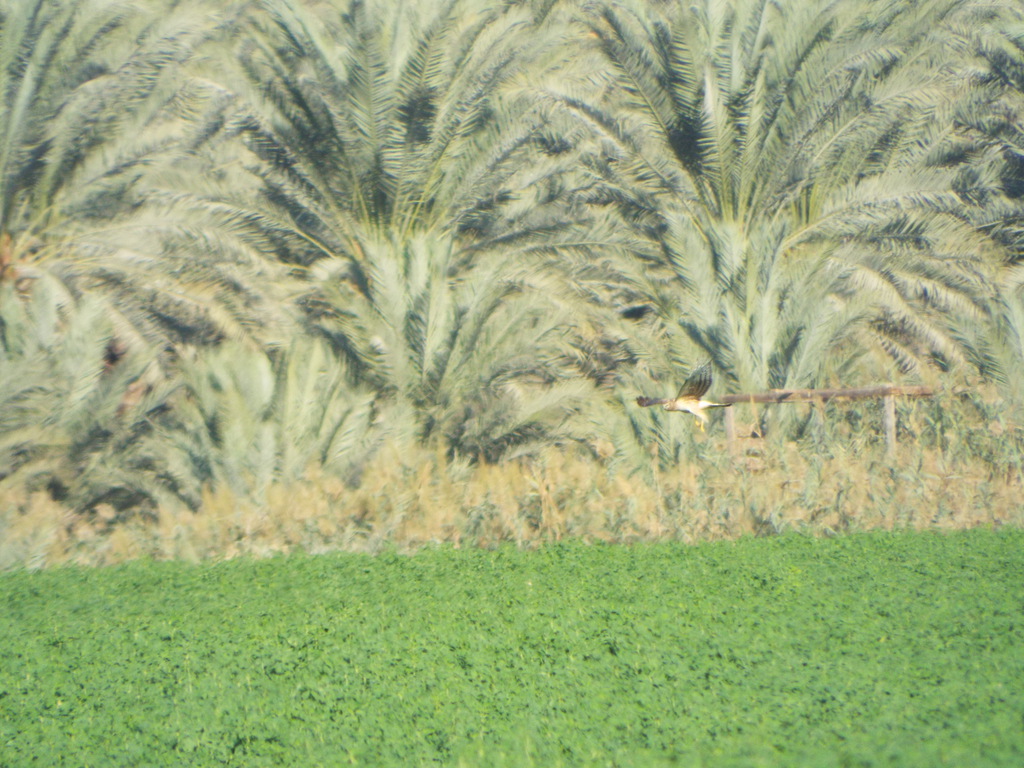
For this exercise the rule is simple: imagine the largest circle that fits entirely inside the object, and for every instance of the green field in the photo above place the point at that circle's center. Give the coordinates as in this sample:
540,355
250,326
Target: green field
875,649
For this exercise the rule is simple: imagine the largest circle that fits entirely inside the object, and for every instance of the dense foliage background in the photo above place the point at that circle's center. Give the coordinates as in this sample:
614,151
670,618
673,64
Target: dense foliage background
307,268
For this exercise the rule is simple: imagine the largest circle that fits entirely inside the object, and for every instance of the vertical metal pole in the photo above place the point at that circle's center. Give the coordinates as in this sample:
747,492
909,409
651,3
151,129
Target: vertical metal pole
889,423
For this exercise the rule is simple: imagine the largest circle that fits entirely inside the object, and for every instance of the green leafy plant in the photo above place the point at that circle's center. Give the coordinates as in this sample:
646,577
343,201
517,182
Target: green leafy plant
786,651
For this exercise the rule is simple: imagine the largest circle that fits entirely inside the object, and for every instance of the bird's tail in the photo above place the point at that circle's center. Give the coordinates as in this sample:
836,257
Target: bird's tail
646,401
718,405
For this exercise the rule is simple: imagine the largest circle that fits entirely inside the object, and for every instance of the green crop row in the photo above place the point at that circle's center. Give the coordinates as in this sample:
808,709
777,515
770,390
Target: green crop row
870,649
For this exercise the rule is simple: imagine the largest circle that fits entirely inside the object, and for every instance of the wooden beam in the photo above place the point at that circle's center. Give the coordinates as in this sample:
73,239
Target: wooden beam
821,395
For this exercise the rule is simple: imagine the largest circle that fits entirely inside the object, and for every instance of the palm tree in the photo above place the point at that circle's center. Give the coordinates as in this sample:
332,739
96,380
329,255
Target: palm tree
243,420
388,120
394,147
990,44
88,421
98,110
997,347
76,408
476,357
788,166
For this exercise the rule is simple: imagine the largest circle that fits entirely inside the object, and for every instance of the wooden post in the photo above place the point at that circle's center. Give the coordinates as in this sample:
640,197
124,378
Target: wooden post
889,423
730,430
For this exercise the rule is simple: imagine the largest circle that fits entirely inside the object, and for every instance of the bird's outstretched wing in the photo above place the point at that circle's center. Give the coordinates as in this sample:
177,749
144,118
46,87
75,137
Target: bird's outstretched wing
697,383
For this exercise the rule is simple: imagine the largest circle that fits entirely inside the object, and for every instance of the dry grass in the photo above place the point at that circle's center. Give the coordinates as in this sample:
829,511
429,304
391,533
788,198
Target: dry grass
410,499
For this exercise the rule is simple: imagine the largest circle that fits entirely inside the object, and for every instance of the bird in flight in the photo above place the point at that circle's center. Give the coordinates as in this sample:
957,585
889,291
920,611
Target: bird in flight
689,397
